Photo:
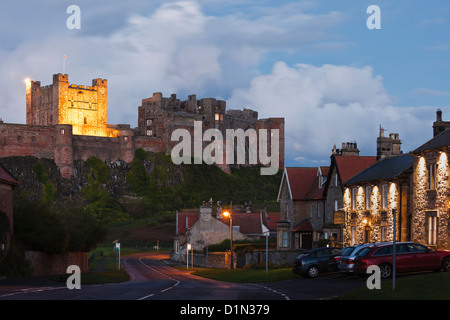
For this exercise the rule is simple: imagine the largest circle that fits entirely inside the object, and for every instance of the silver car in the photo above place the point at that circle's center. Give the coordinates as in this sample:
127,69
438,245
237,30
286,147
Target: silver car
347,260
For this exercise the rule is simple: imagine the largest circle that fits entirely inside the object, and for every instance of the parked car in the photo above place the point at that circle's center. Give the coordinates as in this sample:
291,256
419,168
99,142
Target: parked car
410,257
348,255
311,263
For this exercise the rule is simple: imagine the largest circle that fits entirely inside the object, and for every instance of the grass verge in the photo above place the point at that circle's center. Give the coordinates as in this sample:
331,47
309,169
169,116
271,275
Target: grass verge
429,286
246,275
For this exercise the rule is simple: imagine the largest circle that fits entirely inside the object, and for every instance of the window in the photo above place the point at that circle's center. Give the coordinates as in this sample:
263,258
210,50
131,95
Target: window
432,176
353,235
354,191
217,117
149,132
383,251
149,122
431,228
285,238
85,120
368,194
336,180
336,205
383,233
384,196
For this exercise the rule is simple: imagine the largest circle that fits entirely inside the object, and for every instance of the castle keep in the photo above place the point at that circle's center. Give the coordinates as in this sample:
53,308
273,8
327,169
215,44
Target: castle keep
68,122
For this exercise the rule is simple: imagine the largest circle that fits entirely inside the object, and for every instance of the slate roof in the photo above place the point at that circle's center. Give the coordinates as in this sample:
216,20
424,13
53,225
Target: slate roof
388,168
439,141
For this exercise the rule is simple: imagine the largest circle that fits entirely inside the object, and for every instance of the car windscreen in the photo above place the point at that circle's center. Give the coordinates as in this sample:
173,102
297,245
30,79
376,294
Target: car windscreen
347,251
364,252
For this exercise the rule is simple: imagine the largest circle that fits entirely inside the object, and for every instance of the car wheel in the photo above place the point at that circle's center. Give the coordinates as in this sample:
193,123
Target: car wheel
385,270
313,272
446,264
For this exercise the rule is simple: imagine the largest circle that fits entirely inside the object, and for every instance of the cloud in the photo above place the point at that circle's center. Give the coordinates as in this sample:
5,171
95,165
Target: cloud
331,104
172,48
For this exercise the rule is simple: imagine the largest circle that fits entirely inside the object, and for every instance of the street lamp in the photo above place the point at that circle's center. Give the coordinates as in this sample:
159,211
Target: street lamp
228,214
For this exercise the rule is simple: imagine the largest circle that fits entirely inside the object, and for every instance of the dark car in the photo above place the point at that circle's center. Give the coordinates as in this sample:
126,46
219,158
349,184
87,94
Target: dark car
311,263
410,257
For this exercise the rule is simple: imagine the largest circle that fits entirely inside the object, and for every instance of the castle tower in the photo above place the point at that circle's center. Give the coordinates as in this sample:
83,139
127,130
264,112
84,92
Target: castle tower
83,107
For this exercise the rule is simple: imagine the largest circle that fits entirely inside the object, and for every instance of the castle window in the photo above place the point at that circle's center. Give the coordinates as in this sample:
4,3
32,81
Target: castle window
149,132
217,117
85,120
62,131
125,138
149,122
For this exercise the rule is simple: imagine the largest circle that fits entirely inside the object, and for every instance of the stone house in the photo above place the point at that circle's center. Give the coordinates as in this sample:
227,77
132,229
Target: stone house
431,189
301,207
344,164
7,185
207,226
371,197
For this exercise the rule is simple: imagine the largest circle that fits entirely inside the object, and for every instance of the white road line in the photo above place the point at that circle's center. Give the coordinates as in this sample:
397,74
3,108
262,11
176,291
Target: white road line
165,275
274,291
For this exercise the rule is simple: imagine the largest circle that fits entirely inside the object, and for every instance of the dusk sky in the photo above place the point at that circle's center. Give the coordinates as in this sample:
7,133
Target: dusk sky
315,63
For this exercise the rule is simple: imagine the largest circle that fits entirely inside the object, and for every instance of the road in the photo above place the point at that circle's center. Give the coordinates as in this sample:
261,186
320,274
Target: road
153,279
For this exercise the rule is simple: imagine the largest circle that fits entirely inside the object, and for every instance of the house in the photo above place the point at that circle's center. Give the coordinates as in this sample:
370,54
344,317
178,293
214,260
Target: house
7,185
375,197
431,190
344,164
205,226
301,207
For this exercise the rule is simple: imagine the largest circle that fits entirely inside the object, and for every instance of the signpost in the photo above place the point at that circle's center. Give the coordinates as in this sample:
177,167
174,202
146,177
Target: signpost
394,249
118,255
187,255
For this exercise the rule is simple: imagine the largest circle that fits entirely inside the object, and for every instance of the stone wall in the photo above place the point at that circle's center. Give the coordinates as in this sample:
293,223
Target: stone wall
213,260
45,264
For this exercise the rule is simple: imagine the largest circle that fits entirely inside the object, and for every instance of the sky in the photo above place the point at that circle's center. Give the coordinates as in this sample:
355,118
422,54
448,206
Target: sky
315,63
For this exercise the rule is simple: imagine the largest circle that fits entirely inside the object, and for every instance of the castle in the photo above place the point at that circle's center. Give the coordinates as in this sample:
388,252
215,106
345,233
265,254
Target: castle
67,122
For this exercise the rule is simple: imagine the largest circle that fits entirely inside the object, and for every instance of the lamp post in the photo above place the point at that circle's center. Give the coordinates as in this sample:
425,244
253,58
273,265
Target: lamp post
228,214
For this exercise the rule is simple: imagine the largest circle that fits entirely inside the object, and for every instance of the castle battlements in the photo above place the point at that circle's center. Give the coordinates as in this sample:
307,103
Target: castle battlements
68,122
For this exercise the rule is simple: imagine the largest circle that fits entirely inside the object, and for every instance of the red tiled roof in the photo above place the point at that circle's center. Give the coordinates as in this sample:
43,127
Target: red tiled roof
349,166
186,219
304,226
303,182
7,177
249,223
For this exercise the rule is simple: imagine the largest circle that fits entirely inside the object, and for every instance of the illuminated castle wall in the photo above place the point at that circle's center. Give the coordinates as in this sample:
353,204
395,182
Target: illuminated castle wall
83,107
67,122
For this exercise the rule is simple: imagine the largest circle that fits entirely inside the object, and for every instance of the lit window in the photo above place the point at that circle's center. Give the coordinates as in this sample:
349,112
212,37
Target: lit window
149,132
431,229
217,117
354,191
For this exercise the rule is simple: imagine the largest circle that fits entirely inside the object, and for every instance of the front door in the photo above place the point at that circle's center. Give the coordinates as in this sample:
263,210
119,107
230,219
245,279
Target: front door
306,240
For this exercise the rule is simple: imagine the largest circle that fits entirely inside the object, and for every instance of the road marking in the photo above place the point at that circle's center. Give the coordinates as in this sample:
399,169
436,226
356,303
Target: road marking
274,291
165,275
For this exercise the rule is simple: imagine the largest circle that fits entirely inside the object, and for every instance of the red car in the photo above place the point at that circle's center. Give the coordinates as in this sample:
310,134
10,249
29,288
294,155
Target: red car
410,257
